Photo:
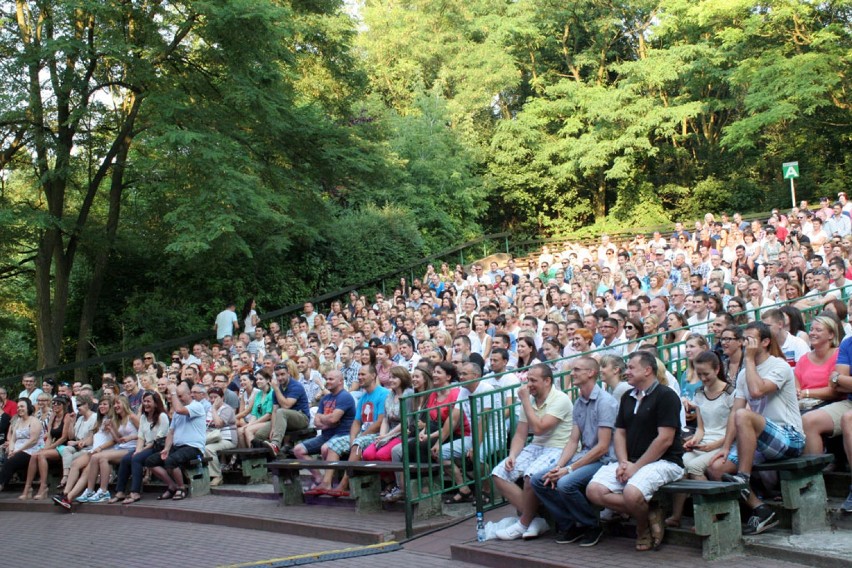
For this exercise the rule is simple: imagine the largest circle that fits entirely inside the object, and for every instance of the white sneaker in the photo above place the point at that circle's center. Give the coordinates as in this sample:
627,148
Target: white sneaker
84,497
512,532
537,527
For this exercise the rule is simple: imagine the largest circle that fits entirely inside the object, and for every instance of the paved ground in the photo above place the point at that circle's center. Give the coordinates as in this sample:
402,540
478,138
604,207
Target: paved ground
104,541
108,536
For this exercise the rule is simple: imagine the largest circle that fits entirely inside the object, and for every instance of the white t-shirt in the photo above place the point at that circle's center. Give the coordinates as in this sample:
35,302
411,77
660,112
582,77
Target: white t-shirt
714,414
700,325
793,348
225,324
781,406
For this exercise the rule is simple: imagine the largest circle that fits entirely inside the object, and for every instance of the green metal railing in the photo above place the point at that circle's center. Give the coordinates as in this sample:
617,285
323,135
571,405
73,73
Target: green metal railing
426,486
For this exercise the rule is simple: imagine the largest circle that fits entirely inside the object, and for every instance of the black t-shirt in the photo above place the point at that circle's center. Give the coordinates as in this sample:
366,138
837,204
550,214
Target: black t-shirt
659,408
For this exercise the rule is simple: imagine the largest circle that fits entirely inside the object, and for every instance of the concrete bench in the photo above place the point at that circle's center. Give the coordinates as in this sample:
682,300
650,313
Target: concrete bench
252,463
802,490
364,482
197,476
716,512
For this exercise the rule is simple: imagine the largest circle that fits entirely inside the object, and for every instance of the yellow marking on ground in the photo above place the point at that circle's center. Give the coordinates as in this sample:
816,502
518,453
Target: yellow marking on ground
314,555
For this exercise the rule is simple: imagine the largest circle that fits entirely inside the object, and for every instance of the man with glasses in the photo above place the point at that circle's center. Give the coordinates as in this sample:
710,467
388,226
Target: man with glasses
199,393
764,424
610,344
231,398
31,391
562,489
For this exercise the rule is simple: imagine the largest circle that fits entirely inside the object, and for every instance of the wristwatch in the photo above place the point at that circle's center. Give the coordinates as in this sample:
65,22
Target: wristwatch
834,377
570,469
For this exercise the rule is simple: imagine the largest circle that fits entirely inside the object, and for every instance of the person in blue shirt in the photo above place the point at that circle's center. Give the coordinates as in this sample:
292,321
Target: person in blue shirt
292,411
365,427
334,418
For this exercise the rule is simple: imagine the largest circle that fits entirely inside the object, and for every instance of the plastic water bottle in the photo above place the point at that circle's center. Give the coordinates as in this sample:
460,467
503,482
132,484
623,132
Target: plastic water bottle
480,527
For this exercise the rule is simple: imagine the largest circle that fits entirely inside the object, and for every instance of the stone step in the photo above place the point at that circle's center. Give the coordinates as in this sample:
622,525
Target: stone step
824,549
837,483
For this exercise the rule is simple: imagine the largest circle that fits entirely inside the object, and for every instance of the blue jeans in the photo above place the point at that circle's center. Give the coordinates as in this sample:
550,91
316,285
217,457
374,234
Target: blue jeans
132,465
567,503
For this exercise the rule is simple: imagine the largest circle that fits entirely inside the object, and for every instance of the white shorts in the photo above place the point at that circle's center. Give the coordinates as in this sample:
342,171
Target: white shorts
696,462
532,459
648,479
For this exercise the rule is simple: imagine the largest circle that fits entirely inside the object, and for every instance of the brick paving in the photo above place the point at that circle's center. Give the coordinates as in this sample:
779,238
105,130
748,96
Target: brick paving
165,533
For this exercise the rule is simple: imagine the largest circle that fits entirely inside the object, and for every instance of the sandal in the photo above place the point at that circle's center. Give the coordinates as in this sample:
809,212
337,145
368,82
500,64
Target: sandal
130,500
486,500
657,527
644,542
180,494
118,497
167,494
459,497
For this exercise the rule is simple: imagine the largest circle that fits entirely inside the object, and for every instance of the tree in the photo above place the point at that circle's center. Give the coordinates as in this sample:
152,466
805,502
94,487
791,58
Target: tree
108,103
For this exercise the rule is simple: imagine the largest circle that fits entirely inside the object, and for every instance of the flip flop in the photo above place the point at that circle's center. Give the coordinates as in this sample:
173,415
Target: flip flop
317,491
337,493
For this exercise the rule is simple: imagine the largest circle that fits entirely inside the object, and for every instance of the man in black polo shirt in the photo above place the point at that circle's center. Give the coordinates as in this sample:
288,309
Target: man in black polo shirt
648,448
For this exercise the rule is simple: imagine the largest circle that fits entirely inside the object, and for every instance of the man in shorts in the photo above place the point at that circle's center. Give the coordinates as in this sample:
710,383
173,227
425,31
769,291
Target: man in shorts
184,442
648,449
547,412
765,421
335,414
562,489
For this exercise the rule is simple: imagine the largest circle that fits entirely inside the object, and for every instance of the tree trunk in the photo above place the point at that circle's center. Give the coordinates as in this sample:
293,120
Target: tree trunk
101,261
599,200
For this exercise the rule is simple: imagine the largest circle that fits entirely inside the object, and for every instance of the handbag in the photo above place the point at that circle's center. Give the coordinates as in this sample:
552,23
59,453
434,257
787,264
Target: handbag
213,436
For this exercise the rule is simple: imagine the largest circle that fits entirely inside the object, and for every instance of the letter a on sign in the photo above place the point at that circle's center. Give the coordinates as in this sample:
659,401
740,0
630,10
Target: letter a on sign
790,169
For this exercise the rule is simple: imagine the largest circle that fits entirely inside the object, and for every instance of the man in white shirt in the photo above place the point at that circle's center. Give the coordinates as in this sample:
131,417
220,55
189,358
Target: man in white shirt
701,316
31,391
610,345
792,347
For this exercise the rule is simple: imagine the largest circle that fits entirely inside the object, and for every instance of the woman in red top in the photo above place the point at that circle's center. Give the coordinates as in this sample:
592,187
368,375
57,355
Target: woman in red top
453,436
814,369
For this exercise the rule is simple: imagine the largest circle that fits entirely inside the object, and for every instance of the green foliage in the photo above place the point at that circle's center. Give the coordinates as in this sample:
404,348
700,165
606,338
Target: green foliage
279,149
364,243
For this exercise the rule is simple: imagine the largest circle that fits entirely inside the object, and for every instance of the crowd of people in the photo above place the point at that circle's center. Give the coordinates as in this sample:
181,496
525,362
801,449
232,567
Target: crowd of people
689,354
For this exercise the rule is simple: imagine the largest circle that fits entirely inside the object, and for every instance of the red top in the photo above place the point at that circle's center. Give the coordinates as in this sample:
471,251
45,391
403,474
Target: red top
11,407
444,409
